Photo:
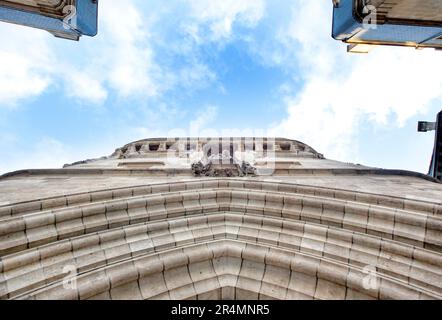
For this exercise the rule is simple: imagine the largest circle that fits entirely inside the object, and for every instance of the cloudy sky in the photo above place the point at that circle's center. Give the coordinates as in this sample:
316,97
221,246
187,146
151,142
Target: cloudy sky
212,68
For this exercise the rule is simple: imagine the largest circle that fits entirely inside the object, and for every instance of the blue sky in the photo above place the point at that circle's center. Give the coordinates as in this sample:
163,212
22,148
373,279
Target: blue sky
212,68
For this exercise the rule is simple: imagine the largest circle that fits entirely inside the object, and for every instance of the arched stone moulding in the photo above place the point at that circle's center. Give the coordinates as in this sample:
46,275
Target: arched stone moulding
98,250
94,231
34,229
127,192
185,273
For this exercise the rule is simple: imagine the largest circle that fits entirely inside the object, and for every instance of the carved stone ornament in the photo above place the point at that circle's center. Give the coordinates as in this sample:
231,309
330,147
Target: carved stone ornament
214,168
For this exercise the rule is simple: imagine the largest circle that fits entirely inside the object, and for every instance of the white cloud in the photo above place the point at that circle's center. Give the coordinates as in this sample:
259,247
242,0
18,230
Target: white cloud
48,153
341,89
45,153
195,76
220,16
122,58
25,64
126,52
338,89
83,86
202,120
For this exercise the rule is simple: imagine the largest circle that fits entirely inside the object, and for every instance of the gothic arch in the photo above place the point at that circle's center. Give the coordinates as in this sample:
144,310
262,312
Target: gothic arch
222,238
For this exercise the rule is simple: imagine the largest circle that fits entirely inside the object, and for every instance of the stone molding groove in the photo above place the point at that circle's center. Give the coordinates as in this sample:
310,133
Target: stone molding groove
222,239
188,172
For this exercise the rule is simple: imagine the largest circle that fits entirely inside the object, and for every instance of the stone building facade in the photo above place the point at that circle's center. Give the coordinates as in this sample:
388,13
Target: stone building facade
68,19
231,218
364,24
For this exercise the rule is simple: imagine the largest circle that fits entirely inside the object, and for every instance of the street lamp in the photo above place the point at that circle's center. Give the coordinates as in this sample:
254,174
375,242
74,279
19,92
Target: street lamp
436,160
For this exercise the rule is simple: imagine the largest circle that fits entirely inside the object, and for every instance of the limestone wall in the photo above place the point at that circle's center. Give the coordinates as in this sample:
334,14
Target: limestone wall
222,238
